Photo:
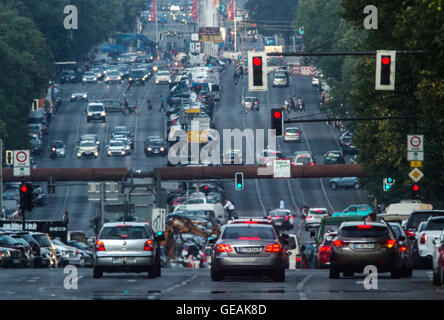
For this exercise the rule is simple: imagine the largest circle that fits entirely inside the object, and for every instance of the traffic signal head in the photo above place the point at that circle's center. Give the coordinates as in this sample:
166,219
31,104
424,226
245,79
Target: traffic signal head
239,181
257,78
26,196
277,120
388,183
415,187
206,190
385,70
9,157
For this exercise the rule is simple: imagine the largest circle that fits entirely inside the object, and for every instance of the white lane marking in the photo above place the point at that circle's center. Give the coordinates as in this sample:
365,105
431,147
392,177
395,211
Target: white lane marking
300,287
183,283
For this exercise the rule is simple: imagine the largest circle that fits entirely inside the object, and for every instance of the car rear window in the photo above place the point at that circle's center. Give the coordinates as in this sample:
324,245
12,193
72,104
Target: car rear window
124,232
435,224
7,240
417,217
292,130
248,231
372,232
317,212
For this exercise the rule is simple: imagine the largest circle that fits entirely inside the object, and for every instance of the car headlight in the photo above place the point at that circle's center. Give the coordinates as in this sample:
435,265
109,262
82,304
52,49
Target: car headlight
149,149
109,151
106,79
97,142
123,152
95,79
130,79
79,154
162,149
73,97
157,81
84,79
90,114
169,80
103,113
96,154
85,95
119,78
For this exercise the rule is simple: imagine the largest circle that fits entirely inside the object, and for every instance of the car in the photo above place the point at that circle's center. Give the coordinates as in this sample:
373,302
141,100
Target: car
84,250
125,140
314,217
163,76
6,241
58,147
293,252
155,145
416,217
112,105
250,103
95,111
268,155
438,260
39,197
67,255
302,160
45,243
113,76
280,80
347,145
36,144
282,218
123,130
405,249
330,224
89,77
115,147
97,72
68,76
292,134
307,154
432,229
360,210
344,182
123,69
359,244
334,157
127,247
232,156
324,250
248,248
139,76
87,148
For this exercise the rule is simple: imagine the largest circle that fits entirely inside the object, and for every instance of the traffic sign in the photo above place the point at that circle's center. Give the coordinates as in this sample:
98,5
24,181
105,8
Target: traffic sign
158,218
415,156
415,164
416,175
21,171
21,158
281,169
415,142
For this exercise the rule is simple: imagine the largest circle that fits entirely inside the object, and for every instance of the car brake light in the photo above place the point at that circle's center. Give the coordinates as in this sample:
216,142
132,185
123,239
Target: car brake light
269,217
100,246
364,226
291,217
286,217
250,222
273,248
77,251
249,238
409,233
224,248
298,257
422,240
308,217
277,216
391,243
311,163
403,249
123,226
325,249
338,243
148,245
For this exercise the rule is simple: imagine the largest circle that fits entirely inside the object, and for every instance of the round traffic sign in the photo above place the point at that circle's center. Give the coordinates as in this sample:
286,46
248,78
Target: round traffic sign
415,141
21,156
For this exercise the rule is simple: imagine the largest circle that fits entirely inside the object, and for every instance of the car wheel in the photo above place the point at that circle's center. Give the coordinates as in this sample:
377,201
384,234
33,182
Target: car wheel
215,276
279,276
152,272
408,272
334,185
334,273
97,273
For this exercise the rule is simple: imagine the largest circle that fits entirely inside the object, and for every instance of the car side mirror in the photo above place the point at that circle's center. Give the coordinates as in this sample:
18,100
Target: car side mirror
437,241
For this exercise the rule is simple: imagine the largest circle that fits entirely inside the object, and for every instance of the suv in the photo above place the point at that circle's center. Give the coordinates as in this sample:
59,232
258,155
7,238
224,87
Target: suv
424,243
95,111
127,247
360,244
248,248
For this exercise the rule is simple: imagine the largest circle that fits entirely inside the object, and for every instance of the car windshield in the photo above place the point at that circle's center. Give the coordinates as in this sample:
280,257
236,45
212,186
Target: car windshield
43,240
116,144
79,245
248,231
157,143
95,108
318,211
137,73
397,229
333,155
113,73
7,240
58,144
292,130
364,232
86,144
124,232
303,160
89,74
435,224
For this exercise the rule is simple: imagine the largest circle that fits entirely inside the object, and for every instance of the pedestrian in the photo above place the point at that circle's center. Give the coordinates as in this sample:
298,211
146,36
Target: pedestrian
229,206
162,105
66,217
281,203
241,72
148,105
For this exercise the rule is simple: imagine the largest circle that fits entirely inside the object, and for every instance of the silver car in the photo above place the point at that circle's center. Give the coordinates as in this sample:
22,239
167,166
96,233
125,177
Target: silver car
248,248
292,134
127,247
116,147
113,76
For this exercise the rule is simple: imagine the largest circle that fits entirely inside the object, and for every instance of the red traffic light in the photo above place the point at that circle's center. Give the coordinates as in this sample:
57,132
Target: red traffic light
24,189
206,187
385,60
277,114
415,187
257,61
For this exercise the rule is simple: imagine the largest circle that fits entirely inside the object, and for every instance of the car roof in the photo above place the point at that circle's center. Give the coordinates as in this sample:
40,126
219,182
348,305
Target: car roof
127,223
357,223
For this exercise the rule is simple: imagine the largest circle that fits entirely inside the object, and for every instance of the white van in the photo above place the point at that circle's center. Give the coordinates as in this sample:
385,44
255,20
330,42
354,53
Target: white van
219,211
404,209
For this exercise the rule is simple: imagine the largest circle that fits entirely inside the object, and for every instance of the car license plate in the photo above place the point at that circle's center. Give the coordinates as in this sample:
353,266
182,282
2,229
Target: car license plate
364,246
16,261
156,151
124,260
249,250
278,223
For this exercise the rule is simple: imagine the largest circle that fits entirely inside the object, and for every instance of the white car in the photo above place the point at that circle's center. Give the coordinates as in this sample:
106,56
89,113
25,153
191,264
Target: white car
163,76
116,148
113,76
438,266
314,217
89,77
292,134
431,230
88,148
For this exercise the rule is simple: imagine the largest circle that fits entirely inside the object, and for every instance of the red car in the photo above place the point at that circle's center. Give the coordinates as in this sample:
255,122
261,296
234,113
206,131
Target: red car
324,250
438,260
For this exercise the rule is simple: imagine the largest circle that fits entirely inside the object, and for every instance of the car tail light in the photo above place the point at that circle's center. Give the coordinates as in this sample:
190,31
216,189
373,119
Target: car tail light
403,248
338,243
409,233
298,258
269,217
286,217
77,251
292,217
364,226
391,243
250,222
100,246
277,216
325,249
224,248
312,163
286,133
148,245
275,247
308,217
298,134
422,240
249,238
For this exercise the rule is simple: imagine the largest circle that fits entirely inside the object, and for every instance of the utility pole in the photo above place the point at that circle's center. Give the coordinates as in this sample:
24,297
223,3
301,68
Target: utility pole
235,28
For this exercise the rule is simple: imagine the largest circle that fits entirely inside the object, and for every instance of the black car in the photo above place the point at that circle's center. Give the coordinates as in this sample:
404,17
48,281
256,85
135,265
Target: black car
155,146
405,248
347,146
334,157
68,76
137,76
